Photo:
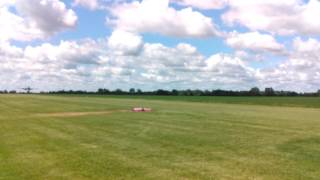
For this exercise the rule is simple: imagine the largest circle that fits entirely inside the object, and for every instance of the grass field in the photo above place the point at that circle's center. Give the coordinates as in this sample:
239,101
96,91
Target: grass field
312,102
78,137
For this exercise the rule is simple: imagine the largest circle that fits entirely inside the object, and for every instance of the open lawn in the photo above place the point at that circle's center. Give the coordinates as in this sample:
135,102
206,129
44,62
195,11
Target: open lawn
79,137
313,102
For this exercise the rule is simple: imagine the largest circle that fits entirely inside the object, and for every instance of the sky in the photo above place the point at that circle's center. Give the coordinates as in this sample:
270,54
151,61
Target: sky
160,44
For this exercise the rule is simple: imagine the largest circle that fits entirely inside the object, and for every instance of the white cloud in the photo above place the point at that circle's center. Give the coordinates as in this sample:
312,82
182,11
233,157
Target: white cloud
284,17
91,4
50,66
203,4
301,71
125,43
48,15
97,4
7,50
254,41
90,64
226,69
183,57
15,27
187,48
154,16
35,19
4,3
310,45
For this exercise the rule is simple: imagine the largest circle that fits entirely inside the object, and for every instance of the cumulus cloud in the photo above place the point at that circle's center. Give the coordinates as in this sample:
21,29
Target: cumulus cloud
125,43
254,41
284,17
15,27
226,69
50,66
124,60
48,15
34,19
71,64
97,4
4,3
182,58
203,4
310,45
90,64
301,71
91,4
154,16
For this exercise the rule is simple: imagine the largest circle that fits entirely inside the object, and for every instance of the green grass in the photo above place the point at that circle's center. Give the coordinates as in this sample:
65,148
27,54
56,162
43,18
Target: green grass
187,138
311,102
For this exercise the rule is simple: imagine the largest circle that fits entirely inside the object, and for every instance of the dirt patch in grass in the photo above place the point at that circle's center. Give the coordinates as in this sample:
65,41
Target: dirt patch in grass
72,114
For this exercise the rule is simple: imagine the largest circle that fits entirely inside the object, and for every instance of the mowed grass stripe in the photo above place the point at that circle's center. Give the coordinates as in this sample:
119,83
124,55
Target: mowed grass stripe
179,140
309,102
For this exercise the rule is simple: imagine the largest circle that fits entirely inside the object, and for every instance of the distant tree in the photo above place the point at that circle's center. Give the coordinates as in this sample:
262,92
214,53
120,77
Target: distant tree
162,92
219,92
100,91
181,93
103,91
206,93
175,92
28,89
188,92
292,93
118,92
132,91
269,92
197,92
255,91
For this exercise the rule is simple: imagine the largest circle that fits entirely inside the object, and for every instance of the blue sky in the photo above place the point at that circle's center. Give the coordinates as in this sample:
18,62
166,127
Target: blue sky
151,44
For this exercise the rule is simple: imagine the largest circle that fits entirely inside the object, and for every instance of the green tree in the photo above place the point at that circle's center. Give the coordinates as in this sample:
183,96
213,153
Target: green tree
269,92
255,91
132,91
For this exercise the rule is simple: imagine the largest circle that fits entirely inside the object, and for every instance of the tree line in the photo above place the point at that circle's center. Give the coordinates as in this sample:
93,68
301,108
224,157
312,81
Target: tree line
217,92
161,92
